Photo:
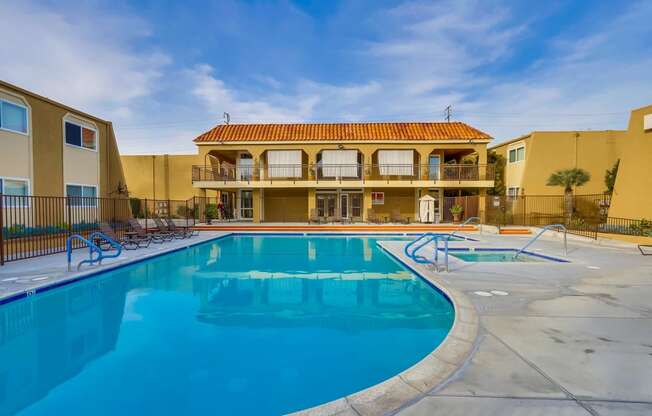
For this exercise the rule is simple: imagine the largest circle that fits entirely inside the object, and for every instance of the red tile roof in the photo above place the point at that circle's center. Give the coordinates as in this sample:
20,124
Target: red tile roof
319,132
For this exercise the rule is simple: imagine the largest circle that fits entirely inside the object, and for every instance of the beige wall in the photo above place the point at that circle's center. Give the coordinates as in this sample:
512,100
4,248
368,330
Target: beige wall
16,154
161,176
632,197
547,152
51,165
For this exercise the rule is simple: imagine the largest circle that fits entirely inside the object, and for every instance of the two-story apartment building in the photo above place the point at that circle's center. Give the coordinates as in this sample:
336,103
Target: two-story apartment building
50,149
355,171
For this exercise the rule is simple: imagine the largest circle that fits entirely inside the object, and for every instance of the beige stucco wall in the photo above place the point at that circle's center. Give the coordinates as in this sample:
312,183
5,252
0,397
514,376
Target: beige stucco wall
547,152
16,148
51,165
160,176
81,166
632,197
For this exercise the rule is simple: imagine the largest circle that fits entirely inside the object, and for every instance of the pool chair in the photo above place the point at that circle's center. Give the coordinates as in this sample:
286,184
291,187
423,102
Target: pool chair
372,217
396,217
156,236
128,243
164,229
187,231
314,217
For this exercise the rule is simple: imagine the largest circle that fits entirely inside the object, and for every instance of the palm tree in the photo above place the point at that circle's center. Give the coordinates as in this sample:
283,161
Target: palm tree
569,178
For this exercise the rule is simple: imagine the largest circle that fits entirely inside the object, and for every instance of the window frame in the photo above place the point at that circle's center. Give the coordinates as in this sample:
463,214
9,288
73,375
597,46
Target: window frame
29,190
82,126
515,149
24,107
513,196
82,186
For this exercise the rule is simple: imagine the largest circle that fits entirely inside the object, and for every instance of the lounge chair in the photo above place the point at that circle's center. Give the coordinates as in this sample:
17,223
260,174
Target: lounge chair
396,217
127,243
155,236
372,216
189,232
314,217
164,229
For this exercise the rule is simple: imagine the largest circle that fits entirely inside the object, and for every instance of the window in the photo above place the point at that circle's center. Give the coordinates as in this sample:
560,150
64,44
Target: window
647,122
81,195
512,192
16,191
13,117
517,154
396,162
80,136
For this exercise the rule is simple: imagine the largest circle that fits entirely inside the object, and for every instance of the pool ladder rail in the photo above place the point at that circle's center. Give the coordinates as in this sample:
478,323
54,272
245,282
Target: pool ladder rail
536,237
92,248
428,238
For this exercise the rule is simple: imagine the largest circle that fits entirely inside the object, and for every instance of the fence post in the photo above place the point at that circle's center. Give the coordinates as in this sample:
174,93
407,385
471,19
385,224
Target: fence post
2,231
186,213
68,212
146,216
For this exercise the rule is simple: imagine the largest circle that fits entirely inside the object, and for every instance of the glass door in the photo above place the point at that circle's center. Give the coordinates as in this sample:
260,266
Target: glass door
245,167
433,167
246,205
344,205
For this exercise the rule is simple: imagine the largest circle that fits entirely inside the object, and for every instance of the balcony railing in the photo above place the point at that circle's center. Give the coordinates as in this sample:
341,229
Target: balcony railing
342,173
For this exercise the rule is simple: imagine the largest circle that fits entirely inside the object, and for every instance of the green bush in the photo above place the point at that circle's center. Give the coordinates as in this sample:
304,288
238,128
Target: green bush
211,211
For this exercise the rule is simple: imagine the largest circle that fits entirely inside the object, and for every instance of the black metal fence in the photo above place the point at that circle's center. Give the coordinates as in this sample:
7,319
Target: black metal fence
34,226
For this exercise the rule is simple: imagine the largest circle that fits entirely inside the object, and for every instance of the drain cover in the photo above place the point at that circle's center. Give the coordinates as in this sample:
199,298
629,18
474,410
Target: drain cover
482,293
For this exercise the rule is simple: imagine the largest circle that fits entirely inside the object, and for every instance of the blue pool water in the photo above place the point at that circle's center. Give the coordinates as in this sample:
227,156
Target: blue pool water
244,325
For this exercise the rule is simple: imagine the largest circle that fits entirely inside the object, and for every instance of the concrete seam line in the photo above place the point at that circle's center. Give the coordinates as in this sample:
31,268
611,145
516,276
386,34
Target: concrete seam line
586,407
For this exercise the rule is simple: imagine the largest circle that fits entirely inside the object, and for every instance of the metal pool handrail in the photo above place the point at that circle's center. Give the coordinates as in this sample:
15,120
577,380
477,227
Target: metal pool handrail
422,260
536,237
92,248
413,254
461,226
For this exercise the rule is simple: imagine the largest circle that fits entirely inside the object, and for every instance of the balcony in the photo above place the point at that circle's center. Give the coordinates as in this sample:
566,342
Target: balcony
309,175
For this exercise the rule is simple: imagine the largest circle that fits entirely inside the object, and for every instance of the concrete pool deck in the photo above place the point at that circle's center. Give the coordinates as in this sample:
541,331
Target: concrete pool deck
568,338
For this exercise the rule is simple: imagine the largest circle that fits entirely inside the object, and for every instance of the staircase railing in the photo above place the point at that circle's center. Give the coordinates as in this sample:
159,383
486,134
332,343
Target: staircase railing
540,233
92,249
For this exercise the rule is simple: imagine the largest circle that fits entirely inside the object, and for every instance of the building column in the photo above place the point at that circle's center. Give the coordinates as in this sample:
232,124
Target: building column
482,204
312,163
312,201
257,205
366,204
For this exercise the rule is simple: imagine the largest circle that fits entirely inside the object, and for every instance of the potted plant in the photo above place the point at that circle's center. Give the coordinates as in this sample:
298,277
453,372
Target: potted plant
211,213
456,210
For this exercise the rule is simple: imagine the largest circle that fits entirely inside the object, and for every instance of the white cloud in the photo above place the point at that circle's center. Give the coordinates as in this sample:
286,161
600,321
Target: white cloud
76,59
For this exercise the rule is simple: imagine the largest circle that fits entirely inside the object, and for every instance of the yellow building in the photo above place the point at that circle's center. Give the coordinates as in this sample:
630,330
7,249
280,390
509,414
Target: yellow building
50,149
530,159
301,172
632,196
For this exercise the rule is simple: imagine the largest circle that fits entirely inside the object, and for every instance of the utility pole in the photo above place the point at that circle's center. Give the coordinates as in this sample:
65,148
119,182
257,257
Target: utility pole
448,112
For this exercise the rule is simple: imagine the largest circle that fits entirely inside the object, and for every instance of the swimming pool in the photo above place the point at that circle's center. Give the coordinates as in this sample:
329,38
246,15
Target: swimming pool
500,256
240,325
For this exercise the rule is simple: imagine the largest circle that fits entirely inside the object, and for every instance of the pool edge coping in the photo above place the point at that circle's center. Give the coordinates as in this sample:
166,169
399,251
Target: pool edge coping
426,375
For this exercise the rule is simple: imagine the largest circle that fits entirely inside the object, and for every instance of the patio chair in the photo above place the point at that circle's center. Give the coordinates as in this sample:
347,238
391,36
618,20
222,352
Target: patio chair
314,217
372,216
126,243
396,216
166,230
156,236
189,232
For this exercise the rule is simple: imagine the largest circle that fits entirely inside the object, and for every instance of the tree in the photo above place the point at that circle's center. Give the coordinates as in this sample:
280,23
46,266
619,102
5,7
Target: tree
610,177
569,178
499,165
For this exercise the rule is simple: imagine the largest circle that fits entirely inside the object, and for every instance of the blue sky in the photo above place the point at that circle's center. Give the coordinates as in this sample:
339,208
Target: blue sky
166,71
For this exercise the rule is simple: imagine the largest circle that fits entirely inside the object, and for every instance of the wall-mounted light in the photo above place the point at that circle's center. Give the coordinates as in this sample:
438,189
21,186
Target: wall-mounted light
340,146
